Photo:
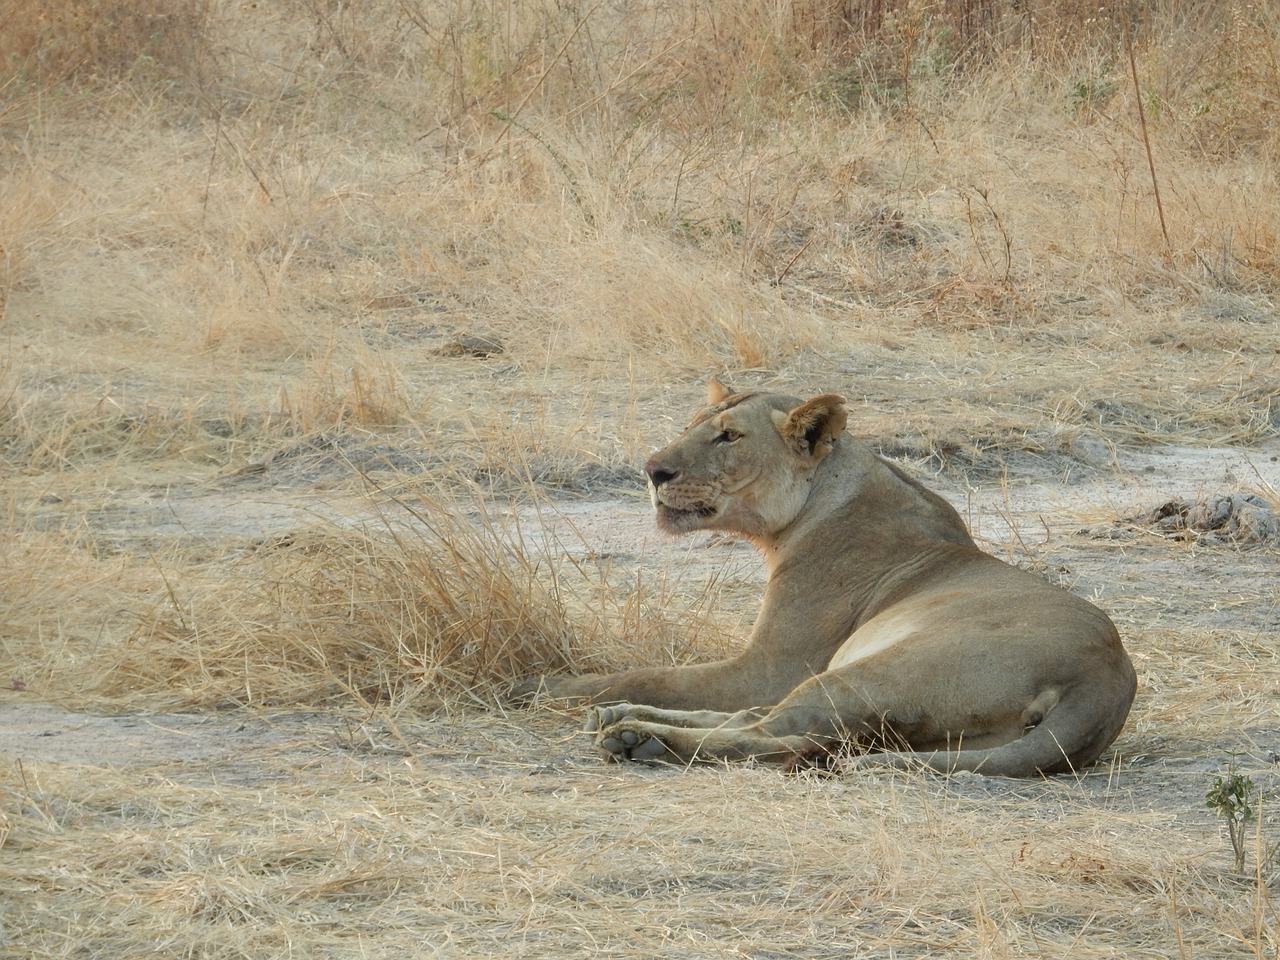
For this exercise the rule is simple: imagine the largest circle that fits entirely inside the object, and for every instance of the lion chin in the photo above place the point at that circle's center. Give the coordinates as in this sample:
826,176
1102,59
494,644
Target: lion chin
675,520
886,635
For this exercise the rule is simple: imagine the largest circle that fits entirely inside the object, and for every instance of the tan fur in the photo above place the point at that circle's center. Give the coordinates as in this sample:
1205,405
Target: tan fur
884,629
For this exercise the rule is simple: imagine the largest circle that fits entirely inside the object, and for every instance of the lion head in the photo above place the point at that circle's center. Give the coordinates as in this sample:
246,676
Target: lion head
744,463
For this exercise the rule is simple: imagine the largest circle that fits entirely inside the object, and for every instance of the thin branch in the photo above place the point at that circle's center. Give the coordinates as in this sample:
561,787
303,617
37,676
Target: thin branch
1146,140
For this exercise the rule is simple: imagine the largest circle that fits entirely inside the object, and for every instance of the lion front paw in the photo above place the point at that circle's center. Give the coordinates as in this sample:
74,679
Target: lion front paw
620,736
606,716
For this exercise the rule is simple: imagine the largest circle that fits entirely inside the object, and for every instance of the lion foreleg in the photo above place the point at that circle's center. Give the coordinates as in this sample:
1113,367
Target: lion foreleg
637,740
600,717
771,738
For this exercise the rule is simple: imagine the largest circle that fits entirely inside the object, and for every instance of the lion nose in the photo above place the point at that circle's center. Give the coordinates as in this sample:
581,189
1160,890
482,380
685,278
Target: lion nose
658,474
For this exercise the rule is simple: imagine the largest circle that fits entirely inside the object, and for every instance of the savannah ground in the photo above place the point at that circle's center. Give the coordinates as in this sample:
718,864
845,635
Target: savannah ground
333,337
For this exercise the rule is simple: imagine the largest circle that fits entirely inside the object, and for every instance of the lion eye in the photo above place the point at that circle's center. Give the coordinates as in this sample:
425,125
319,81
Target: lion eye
727,436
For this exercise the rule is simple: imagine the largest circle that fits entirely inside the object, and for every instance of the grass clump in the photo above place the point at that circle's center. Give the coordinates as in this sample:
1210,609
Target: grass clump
424,607
428,603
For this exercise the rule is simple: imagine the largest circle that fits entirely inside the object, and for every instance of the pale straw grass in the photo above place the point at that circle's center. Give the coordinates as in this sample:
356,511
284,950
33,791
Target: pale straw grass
362,853
236,250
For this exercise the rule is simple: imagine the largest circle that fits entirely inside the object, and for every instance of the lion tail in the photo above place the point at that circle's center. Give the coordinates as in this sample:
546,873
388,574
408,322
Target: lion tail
1069,739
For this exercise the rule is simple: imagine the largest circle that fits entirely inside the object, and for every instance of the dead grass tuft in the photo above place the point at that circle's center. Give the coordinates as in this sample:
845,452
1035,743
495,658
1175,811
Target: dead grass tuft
423,608
366,391
337,617
434,602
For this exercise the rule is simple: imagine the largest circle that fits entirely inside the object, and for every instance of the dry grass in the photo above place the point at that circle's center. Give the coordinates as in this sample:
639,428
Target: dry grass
251,456
425,603
323,851
96,40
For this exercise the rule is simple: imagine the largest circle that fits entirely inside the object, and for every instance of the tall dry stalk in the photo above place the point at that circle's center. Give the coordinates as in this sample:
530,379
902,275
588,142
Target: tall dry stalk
1146,136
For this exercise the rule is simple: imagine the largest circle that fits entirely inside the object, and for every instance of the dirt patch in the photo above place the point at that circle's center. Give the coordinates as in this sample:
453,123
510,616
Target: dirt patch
44,732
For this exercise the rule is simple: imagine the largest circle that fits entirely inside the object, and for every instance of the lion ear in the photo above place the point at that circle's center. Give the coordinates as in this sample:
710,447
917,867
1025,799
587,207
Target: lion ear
811,429
716,391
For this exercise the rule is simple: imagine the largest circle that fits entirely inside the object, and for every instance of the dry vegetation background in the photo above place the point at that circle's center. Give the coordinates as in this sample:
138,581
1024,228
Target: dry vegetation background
313,317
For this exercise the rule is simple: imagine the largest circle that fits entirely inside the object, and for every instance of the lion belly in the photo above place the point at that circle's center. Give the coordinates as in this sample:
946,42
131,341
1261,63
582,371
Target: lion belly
876,636
928,616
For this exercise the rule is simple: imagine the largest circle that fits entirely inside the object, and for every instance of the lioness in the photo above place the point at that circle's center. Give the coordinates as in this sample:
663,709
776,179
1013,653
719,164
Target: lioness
884,628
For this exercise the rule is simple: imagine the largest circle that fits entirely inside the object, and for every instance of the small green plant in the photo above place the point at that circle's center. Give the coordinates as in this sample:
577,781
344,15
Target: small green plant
1089,95
1235,797
1230,796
